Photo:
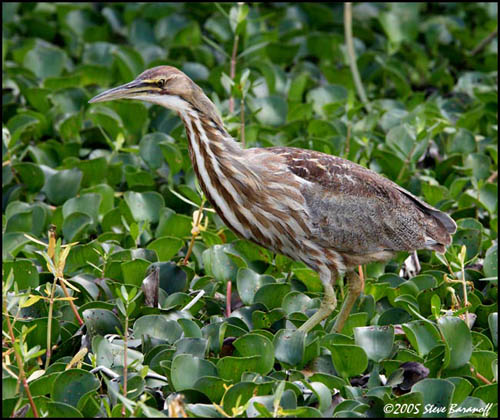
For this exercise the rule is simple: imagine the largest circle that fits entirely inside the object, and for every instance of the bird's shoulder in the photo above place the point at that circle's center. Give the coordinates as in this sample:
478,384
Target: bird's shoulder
336,175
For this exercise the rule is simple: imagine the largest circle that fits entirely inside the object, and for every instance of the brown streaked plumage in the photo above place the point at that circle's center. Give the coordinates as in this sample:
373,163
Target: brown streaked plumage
327,212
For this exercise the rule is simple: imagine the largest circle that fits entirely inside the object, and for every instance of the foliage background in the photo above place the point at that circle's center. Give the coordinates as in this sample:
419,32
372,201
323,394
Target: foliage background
116,178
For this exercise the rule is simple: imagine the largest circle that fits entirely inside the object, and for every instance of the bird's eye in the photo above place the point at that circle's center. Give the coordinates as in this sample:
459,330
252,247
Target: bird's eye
161,83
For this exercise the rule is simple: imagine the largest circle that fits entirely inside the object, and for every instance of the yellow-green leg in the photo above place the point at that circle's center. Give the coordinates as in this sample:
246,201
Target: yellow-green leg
328,303
356,286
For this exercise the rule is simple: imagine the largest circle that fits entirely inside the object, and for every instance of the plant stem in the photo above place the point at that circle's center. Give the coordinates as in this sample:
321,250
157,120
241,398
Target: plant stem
125,368
347,141
484,42
22,375
242,126
228,299
191,243
464,289
352,57
232,72
49,324
406,162
73,307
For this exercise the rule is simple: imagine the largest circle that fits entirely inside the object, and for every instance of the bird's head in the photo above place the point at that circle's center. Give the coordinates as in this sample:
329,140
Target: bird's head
165,86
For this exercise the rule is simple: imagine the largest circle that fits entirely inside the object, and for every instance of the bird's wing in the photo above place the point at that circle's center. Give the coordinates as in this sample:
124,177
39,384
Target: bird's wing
353,209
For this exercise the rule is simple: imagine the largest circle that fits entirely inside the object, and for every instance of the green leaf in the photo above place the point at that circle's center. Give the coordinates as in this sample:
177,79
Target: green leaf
272,295
270,111
458,341
249,282
31,175
101,322
257,345
376,341
493,324
218,264
45,60
479,163
144,206
134,271
71,385
463,142
166,247
289,346
324,95
86,203
422,335
436,392
25,273
186,370
349,360
76,225
62,185
158,327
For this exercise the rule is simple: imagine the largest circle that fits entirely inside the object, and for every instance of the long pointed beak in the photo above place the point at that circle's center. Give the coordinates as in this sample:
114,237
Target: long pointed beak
128,90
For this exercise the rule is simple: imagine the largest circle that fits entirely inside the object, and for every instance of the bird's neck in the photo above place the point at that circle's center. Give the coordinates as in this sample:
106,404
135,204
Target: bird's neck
219,164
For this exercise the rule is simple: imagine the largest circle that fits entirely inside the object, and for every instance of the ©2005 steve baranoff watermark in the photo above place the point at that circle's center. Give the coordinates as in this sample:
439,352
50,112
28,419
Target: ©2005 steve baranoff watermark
417,409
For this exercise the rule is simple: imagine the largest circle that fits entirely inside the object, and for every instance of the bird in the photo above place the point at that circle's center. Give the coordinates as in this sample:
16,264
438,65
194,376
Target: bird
325,211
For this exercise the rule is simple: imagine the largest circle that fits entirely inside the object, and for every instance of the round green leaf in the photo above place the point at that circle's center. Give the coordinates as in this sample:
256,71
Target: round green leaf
31,175
166,247
75,226
134,271
376,341
85,203
349,360
493,324
62,185
187,369
257,345
458,340
324,95
437,393
289,346
422,335
145,206
231,368
271,110
101,322
25,273
490,265
272,295
73,384
248,282
157,326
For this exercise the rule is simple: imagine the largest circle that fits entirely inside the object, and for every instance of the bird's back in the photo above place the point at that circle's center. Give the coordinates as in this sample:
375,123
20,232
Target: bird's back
357,213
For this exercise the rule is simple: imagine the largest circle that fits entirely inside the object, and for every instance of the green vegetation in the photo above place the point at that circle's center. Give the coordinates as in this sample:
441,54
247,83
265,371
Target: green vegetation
130,262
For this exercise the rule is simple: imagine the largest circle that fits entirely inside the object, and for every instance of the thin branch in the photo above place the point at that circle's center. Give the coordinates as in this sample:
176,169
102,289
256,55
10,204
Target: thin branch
484,42
242,124
347,141
22,374
352,56
492,177
228,299
195,232
195,299
232,72
71,304
49,325
125,362
480,377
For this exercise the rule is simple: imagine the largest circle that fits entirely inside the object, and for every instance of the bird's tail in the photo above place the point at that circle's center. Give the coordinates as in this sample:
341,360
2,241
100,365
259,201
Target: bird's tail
439,227
439,230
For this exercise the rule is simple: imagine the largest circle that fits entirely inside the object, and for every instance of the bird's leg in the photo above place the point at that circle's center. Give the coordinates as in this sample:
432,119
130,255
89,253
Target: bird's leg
356,286
328,303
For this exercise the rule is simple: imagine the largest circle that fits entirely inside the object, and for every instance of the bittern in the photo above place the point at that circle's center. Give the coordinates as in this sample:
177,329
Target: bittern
328,212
